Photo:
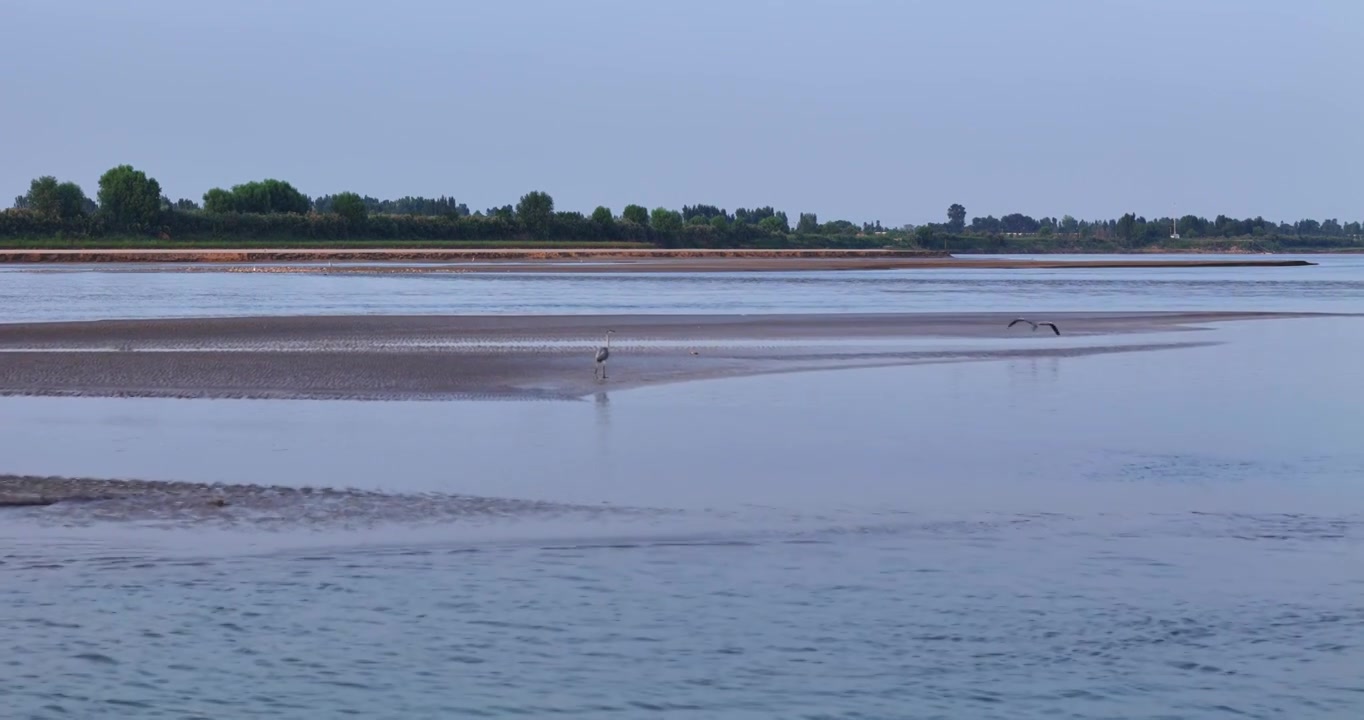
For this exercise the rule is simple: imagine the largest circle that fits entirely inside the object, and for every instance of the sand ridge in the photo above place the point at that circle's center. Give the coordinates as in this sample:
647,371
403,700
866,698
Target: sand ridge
75,501
519,357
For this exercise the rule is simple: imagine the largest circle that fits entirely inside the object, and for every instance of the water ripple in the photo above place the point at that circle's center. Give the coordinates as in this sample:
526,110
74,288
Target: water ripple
908,619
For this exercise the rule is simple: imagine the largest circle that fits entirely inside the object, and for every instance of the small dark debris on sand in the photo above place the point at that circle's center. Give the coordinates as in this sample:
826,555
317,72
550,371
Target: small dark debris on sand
25,501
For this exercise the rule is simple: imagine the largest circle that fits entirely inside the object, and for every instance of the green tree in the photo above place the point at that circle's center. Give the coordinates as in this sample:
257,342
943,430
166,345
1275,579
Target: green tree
666,221
772,224
956,217
61,200
278,196
838,227
42,196
635,214
71,200
602,215
535,211
261,197
720,223
129,198
219,200
1127,227
350,206
705,211
808,223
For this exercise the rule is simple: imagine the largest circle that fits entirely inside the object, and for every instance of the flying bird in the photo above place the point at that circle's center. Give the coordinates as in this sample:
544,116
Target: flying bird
603,353
1036,324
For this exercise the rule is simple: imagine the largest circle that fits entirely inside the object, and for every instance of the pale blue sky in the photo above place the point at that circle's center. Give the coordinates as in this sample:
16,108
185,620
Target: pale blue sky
849,108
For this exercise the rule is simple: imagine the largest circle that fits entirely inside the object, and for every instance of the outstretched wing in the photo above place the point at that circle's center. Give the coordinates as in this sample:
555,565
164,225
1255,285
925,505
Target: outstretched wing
1052,326
1022,320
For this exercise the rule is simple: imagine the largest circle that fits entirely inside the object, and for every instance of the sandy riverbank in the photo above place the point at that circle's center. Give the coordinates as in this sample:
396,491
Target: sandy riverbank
596,260
444,357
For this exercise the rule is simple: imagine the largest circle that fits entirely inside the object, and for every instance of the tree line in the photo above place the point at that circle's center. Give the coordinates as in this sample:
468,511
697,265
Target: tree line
129,203
1135,229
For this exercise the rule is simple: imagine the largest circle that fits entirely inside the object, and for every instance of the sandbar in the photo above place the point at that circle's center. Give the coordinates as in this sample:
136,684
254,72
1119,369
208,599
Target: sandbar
432,357
76,501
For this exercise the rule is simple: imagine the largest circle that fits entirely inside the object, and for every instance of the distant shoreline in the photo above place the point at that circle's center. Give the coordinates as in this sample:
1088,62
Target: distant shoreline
571,259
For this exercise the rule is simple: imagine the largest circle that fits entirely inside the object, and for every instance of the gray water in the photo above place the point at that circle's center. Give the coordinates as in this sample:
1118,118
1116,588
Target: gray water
1175,534
1336,284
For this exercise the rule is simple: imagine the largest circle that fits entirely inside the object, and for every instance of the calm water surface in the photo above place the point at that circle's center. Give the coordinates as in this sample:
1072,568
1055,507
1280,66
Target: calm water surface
85,292
1172,534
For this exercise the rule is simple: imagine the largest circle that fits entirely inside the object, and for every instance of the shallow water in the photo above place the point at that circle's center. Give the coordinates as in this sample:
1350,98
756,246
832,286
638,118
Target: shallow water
936,436
99,291
991,620
1166,534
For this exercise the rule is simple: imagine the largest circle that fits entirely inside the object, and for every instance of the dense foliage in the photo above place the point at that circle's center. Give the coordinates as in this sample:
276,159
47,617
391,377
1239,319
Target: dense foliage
128,199
52,199
272,211
262,198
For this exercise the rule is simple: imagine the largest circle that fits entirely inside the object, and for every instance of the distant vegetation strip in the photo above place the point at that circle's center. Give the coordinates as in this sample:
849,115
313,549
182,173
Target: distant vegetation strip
130,210
133,242
467,254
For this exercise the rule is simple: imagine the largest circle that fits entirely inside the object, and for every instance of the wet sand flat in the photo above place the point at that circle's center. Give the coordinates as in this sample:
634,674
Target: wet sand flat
596,260
87,500
444,357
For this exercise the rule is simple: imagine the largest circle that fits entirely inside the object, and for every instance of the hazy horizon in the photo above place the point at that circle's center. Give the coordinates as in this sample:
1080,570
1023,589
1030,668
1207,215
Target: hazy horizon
853,110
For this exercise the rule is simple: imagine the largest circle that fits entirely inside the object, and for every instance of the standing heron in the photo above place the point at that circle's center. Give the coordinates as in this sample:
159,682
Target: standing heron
1035,325
603,353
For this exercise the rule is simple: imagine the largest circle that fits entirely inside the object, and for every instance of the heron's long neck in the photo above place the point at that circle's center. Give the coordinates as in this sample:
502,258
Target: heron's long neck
608,339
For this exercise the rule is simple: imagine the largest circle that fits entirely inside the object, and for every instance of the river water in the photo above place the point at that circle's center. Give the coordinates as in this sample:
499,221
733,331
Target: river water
95,291
1169,534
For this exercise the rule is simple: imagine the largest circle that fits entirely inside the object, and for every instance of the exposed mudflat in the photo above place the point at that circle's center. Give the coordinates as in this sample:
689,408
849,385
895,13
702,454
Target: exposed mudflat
81,501
549,357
